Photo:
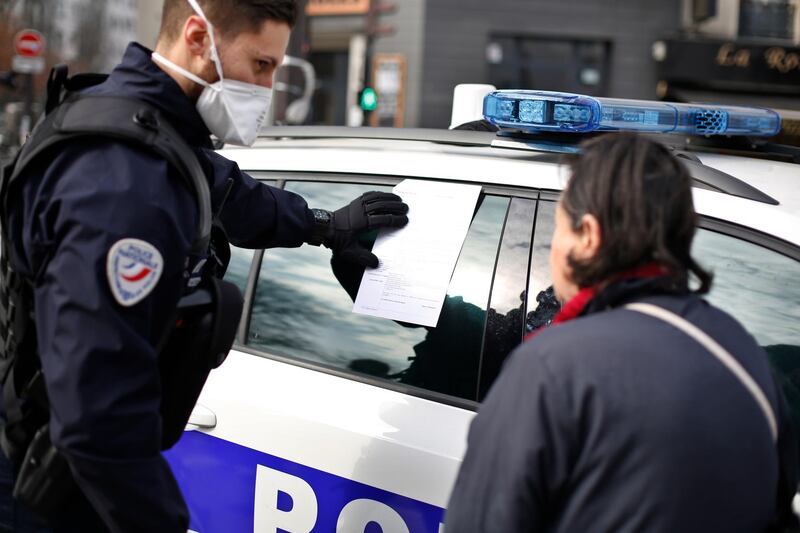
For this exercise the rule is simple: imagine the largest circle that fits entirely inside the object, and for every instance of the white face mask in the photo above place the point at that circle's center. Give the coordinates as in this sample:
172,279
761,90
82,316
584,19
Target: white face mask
233,110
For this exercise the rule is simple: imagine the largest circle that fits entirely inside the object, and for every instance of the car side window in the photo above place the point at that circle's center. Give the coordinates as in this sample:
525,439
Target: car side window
303,301
538,305
239,267
542,304
506,318
759,288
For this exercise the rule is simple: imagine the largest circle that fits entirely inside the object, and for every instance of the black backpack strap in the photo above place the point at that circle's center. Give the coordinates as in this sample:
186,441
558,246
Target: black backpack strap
55,87
60,84
125,119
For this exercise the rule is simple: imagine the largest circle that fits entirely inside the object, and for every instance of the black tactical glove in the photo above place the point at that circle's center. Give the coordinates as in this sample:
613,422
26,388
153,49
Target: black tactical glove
370,211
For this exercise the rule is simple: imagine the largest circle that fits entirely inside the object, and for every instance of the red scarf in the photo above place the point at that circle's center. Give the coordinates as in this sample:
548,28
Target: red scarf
575,306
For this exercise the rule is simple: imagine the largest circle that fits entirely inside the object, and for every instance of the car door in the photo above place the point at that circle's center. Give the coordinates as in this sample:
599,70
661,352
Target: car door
324,420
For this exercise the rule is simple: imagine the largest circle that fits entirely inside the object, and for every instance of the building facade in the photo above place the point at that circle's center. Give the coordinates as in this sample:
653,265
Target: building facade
741,52
588,46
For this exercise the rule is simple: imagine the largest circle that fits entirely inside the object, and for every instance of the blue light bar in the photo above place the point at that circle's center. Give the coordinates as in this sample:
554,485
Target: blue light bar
563,112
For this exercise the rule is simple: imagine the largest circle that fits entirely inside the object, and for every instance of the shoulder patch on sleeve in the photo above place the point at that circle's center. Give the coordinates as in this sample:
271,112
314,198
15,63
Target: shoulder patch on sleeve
134,268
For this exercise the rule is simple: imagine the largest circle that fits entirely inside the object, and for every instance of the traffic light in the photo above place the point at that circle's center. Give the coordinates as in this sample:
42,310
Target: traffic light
368,99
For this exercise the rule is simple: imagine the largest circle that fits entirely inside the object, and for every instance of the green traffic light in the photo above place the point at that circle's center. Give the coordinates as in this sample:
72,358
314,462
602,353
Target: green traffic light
369,99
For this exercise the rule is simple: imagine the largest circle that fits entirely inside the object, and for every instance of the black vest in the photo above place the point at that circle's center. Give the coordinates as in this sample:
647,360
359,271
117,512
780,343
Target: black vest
206,317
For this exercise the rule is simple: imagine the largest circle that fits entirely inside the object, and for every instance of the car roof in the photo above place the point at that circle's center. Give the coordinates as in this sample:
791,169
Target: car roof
479,157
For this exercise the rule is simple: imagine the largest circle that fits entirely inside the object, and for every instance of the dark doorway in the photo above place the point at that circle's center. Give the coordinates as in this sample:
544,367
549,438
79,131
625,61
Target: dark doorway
565,64
330,98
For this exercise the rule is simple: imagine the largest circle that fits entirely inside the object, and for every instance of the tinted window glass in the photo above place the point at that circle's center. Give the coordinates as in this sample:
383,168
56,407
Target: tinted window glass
759,288
504,327
239,267
542,303
301,310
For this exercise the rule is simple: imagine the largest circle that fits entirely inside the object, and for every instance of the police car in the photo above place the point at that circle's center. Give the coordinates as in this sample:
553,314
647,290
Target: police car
325,420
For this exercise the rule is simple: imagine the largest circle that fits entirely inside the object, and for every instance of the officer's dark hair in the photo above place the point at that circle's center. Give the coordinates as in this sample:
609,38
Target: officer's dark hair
229,17
641,196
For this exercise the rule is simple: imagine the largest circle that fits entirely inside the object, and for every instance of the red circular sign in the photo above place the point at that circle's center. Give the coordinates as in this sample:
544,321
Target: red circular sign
29,43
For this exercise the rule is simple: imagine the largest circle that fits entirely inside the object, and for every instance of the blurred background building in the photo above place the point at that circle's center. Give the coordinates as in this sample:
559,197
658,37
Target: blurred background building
733,51
581,46
414,52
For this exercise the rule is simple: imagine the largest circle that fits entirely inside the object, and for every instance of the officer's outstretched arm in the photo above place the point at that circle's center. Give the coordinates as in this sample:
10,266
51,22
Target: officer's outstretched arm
107,237
256,215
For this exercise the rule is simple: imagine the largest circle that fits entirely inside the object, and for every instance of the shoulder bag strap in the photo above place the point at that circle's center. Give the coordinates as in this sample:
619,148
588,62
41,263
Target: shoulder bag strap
722,355
785,519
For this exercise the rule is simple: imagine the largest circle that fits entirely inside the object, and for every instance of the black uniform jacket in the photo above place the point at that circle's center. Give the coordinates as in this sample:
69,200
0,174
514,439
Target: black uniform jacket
98,356
617,421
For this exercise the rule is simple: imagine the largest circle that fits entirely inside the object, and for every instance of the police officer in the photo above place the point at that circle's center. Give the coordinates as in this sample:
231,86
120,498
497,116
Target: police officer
622,416
101,230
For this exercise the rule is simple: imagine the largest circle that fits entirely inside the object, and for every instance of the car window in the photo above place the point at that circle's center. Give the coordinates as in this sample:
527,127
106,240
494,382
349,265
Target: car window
302,309
538,303
505,323
751,282
542,304
759,288
239,267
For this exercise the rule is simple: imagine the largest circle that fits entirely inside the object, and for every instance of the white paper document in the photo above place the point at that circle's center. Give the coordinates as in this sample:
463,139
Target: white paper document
417,261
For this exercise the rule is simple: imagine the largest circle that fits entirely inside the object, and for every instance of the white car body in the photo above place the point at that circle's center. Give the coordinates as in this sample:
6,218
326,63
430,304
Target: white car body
351,452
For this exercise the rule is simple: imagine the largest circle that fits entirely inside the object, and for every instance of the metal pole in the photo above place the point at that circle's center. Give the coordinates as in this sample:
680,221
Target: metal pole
292,77
371,27
33,14
26,121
